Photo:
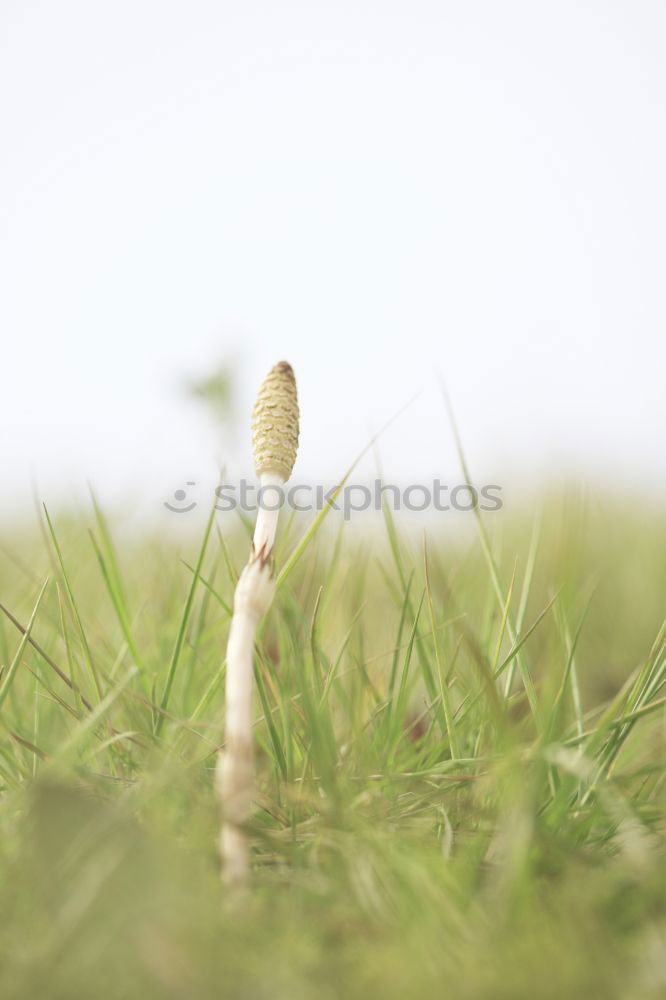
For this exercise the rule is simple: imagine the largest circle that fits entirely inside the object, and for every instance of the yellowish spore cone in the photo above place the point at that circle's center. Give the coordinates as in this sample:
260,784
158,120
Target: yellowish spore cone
275,422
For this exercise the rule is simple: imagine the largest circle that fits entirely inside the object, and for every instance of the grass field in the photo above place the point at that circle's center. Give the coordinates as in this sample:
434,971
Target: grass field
460,751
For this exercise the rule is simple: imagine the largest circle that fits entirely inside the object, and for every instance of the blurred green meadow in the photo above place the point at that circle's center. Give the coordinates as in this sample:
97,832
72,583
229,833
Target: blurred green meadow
460,746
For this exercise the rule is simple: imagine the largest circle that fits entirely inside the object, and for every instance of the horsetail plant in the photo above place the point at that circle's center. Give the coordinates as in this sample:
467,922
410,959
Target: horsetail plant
275,441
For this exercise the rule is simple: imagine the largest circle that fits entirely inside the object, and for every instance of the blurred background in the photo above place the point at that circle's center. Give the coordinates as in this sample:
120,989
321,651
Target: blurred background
378,192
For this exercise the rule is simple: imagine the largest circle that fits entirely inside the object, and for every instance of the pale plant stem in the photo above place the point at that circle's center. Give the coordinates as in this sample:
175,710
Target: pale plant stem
235,768
275,439
267,519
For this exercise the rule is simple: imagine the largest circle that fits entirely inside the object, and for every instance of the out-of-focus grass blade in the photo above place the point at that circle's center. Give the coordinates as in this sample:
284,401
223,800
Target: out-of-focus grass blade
74,606
398,705
209,586
513,652
280,757
448,728
182,628
117,599
502,628
47,659
8,679
492,567
323,513
88,724
524,594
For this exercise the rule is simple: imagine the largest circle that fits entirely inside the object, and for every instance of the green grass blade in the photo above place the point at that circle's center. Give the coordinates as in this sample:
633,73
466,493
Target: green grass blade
182,628
8,679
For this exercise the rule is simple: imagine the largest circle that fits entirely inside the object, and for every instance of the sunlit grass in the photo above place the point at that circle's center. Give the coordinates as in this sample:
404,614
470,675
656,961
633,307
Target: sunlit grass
459,748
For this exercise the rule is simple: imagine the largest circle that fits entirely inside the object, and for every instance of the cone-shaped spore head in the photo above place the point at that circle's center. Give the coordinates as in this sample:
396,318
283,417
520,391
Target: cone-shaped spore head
275,422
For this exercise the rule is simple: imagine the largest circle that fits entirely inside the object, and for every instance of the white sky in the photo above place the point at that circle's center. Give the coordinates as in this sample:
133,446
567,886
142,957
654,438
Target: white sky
369,189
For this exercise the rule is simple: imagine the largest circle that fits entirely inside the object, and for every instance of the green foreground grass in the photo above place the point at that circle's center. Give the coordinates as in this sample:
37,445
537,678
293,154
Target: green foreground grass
460,747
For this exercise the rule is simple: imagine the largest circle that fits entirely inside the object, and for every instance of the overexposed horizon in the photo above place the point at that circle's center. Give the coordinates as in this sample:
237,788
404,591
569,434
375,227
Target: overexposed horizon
376,192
